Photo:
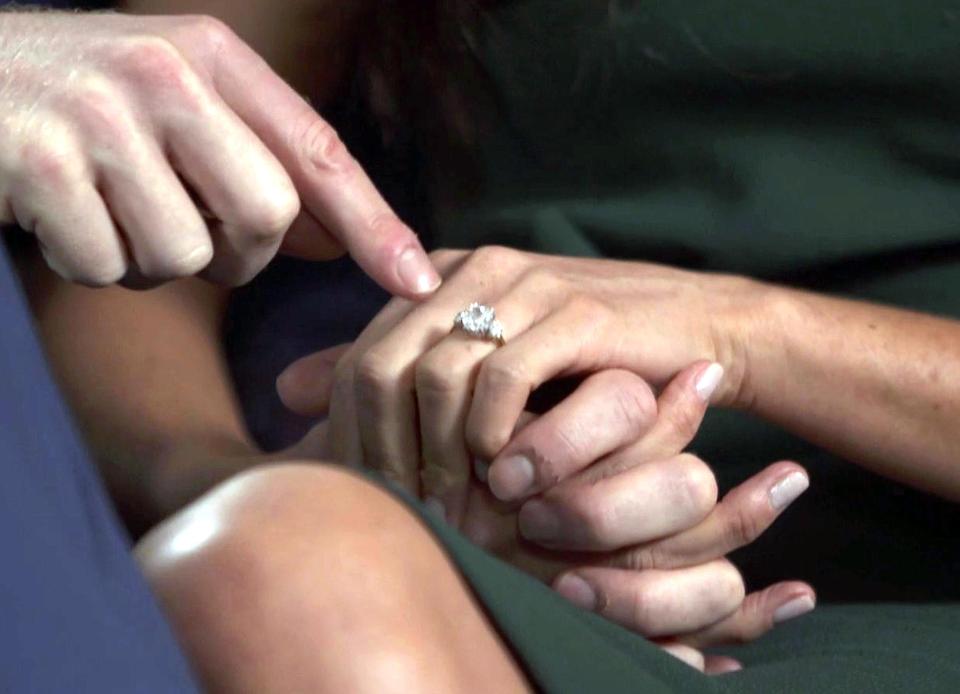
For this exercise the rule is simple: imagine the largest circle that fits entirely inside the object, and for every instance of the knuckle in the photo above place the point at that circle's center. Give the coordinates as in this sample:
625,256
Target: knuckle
494,258
500,375
436,377
597,520
641,558
685,420
151,62
182,264
51,161
98,108
484,441
269,218
730,588
374,375
742,528
569,443
101,274
212,34
633,401
320,144
541,279
698,486
51,165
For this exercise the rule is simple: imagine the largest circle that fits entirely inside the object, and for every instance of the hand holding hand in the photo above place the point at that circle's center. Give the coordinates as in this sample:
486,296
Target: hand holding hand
419,402
622,522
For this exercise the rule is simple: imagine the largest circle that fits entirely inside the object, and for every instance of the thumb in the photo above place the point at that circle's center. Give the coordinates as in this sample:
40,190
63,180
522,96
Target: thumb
306,386
681,408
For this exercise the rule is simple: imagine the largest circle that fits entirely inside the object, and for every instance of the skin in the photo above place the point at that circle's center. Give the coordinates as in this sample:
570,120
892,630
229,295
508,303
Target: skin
166,441
231,571
868,382
142,149
261,630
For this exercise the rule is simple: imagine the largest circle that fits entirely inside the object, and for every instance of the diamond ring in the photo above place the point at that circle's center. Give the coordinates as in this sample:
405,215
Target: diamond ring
480,321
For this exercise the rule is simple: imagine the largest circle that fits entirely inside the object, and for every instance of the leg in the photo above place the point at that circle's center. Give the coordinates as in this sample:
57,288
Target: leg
75,615
307,578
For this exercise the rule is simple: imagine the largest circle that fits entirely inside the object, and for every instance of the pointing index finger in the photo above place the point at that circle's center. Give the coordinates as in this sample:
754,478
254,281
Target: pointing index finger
332,186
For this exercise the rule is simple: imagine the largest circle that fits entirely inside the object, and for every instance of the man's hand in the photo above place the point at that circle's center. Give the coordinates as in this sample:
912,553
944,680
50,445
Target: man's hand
149,148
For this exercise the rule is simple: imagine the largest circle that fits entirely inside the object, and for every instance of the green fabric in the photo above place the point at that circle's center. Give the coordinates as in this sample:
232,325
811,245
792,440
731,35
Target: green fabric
803,141
812,143
841,649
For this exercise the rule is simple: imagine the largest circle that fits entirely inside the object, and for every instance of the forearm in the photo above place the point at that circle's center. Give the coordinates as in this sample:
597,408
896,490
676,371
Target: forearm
145,376
876,385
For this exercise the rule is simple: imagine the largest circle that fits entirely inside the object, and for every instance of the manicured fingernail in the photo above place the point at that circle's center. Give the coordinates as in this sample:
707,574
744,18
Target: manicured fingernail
481,468
416,272
708,381
510,478
786,490
577,591
539,522
436,508
794,608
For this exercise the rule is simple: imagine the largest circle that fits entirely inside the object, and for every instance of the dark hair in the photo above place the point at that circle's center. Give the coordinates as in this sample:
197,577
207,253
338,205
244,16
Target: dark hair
418,67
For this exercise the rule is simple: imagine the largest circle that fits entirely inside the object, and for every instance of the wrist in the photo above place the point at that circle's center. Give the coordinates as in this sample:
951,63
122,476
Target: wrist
747,336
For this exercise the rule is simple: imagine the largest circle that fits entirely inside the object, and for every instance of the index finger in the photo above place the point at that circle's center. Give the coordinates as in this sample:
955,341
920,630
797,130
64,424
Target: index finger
332,186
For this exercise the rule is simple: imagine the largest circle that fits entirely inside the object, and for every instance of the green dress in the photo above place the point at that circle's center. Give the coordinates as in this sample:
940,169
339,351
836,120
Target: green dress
804,142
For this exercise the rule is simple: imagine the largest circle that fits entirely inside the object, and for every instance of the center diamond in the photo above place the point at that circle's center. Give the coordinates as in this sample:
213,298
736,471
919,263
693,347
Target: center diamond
480,321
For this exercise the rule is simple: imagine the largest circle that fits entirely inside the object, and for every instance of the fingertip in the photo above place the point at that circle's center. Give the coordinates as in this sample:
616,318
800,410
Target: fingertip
794,607
418,278
301,392
721,665
788,488
708,380
286,386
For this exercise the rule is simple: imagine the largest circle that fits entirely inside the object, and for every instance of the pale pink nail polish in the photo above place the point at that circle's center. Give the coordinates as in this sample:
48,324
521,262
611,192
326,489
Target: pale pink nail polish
577,591
784,492
794,608
708,381
511,477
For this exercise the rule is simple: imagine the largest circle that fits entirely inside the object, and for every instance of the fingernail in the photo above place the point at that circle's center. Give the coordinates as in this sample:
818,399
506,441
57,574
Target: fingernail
708,381
538,522
481,468
577,591
436,508
511,477
285,382
416,272
786,490
794,608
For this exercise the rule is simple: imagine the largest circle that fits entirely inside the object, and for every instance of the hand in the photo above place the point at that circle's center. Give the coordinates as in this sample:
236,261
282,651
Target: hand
649,542
657,566
639,539
562,316
149,148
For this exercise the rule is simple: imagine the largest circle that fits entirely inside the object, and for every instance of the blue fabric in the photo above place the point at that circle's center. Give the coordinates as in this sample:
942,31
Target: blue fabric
75,614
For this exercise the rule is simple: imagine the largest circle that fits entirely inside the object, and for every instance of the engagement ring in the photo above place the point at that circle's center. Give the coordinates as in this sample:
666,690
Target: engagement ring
480,321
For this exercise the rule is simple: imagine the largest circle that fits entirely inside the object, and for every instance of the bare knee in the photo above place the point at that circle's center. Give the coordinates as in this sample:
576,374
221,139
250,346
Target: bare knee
275,563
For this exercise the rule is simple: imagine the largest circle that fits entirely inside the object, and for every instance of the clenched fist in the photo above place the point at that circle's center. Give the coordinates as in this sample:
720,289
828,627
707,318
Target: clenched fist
149,148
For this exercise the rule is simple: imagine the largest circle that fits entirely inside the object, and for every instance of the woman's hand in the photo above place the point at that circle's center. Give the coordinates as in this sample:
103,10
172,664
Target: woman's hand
420,402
